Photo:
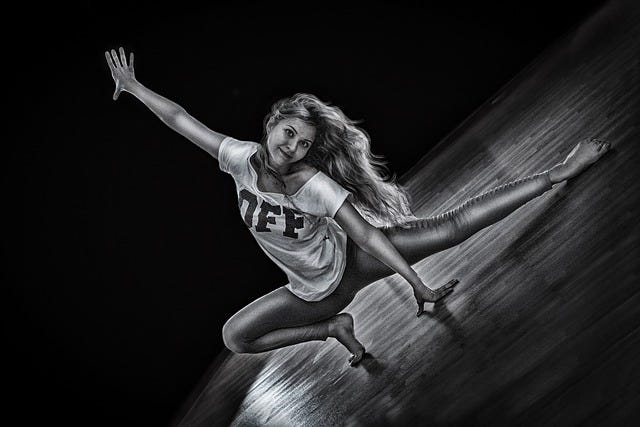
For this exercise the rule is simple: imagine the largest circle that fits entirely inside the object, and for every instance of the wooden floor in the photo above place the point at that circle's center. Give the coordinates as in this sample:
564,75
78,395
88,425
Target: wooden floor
543,328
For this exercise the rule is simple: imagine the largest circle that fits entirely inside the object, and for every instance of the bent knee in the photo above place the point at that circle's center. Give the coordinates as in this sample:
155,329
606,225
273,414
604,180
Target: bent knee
234,339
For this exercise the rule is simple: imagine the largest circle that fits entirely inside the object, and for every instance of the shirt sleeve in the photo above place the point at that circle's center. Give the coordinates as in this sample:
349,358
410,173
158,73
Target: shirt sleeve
327,195
233,154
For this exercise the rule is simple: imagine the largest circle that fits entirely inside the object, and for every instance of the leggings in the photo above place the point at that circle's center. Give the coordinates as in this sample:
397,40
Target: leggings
280,318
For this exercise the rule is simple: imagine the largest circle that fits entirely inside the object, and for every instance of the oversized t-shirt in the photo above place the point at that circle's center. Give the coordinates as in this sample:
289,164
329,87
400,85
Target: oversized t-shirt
298,231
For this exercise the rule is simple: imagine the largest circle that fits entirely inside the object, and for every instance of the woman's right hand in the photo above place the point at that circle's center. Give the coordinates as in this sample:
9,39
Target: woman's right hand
425,294
122,73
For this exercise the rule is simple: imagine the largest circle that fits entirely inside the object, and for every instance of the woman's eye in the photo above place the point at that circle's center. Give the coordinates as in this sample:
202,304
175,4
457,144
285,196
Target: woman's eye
305,144
289,132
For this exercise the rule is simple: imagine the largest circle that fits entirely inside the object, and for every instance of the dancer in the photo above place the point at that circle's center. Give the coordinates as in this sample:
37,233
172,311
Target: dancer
317,202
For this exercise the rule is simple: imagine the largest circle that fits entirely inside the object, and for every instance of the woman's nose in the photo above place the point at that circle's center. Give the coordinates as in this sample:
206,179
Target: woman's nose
292,144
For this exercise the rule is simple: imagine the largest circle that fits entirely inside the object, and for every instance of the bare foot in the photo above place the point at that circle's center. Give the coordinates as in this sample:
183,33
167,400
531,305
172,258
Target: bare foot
583,155
341,328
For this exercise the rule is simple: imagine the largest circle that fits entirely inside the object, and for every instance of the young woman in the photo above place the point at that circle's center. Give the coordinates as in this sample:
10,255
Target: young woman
309,194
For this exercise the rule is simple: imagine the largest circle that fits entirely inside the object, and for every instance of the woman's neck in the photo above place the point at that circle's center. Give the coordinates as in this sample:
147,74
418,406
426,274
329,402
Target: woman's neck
284,170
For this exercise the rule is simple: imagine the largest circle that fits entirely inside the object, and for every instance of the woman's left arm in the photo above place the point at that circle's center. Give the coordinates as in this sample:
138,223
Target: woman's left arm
374,242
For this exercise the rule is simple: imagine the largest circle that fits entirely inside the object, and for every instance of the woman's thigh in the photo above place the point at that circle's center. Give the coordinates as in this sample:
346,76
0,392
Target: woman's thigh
415,242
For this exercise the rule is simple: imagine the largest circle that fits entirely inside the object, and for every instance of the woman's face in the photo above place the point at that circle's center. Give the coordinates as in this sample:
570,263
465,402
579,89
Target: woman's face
289,141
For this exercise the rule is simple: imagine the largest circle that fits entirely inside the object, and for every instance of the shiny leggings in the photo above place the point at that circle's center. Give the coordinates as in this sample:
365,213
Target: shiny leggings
280,318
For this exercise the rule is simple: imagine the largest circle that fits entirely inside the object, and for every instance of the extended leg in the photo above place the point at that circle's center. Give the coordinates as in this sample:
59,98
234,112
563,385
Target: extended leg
424,237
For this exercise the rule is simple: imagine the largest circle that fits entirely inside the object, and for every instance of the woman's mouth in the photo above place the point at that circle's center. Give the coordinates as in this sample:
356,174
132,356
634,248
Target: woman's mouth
286,156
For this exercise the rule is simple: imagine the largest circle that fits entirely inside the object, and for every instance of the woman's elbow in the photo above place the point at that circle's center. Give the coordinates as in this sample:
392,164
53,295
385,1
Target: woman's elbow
175,116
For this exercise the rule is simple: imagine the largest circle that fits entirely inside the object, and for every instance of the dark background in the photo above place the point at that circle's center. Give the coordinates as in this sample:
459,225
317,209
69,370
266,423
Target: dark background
123,247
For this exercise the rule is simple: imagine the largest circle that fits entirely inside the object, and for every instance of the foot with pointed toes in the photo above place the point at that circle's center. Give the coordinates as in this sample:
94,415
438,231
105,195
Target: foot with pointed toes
583,155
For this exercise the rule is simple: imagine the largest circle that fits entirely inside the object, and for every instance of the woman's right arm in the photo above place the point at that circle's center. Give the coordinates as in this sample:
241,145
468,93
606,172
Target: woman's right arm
168,111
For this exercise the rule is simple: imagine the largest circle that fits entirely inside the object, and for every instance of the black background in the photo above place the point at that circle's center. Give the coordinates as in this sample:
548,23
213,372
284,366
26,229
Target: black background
123,247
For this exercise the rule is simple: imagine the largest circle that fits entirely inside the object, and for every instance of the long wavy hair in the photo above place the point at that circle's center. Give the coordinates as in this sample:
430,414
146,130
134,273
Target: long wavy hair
342,151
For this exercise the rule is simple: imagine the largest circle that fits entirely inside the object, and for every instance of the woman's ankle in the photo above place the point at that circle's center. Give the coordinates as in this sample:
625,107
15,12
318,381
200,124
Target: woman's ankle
558,173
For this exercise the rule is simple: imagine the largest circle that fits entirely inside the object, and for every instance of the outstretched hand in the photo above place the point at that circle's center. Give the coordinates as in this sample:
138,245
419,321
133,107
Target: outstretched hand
121,71
424,294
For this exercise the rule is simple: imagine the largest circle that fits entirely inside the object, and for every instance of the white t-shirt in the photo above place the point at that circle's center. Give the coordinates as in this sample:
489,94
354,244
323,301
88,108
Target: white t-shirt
310,248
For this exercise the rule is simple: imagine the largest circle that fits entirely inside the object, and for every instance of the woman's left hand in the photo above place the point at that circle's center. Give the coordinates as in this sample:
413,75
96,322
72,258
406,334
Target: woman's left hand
424,294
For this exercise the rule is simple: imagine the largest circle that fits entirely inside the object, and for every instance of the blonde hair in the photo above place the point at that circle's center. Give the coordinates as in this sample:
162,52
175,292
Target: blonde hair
342,151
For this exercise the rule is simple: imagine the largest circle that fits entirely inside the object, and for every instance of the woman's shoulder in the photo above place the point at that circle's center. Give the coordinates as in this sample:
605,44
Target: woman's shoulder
233,153
306,172
323,195
238,144
321,183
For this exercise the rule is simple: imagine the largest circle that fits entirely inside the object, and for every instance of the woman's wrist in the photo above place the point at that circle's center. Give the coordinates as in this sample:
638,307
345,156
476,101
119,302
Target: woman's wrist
132,86
415,282
557,173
